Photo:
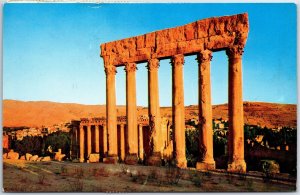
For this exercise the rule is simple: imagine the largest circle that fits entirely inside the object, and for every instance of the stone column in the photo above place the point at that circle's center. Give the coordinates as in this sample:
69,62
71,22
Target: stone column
97,139
89,140
131,111
236,160
154,113
178,110
141,146
104,140
81,144
205,112
111,114
122,142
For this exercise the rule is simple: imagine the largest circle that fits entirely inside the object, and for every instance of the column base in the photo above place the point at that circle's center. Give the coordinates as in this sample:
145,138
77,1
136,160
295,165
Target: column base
206,165
181,163
81,160
237,166
131,159
110,160
154,160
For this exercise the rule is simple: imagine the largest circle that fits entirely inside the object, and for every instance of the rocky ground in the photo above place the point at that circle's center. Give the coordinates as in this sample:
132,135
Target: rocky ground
54,176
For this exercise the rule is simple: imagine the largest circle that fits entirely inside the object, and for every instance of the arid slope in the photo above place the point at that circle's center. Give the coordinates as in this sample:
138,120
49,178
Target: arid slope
38,113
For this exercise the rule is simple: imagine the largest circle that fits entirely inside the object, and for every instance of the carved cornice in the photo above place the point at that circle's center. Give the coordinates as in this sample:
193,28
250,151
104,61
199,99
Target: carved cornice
130,67
177,60
204,56
110,70
235,51
153,64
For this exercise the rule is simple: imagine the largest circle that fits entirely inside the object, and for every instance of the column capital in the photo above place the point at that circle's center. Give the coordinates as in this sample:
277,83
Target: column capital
204,56
110,70
177,60
130,67
235,51
153,64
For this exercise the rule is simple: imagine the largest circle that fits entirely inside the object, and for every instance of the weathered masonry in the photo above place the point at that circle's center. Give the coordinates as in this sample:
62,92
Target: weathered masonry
89,137
199,38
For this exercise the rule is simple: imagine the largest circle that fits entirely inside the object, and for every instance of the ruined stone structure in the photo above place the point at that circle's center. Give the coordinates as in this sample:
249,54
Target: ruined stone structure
199,38
90,137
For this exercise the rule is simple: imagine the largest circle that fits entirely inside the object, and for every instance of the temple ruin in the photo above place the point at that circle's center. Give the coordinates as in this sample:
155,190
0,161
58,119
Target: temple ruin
199,38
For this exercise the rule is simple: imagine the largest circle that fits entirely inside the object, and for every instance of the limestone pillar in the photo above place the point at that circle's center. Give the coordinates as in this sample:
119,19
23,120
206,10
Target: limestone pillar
154,113
104,140
122,142
89,140
131,111
97,139
141,146
81,144
236,160
111,114
205,112
178,110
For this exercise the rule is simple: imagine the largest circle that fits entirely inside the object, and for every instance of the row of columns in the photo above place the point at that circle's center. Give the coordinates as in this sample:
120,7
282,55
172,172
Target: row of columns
235,106
97,138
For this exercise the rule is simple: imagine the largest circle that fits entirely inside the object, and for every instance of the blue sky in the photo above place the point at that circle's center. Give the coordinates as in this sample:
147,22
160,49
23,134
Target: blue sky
51,51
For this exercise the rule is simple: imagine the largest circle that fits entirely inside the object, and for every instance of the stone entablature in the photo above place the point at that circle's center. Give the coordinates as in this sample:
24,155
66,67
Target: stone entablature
208,34
142,120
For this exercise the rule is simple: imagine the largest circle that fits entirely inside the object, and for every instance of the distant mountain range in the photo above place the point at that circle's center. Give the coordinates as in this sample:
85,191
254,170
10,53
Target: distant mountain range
45,113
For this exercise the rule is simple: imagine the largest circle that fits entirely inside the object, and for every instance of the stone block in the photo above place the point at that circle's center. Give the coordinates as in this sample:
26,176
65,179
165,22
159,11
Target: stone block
59,157
5,156
178,33
237,166
110,160
202,27
205,166
93,158
46,158
131,159
22,157
140,42
34,158
150,40
12,155
190,31
28,156
154,160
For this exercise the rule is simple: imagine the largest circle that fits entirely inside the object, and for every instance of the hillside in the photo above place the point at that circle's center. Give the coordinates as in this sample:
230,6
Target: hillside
38,113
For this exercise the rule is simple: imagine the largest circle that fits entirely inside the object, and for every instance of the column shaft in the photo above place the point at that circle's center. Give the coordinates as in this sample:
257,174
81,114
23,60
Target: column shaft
178,110
205,112
89,140
141,146
155,144
131,111
97,150
111,111
235,108
104,140
81,144
122,142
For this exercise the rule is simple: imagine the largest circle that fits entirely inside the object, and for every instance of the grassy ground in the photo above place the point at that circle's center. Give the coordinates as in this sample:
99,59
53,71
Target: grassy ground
24,176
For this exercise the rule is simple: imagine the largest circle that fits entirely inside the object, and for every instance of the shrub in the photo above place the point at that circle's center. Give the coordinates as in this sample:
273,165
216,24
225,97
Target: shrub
173,175
269,168
197,180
